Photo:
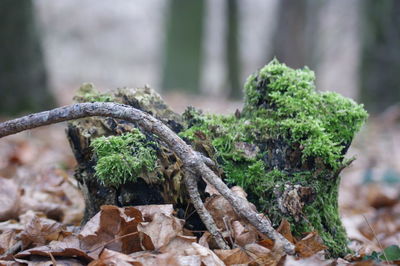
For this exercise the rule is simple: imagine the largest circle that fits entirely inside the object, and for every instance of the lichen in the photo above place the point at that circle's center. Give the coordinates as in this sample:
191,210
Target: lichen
295,137
121,159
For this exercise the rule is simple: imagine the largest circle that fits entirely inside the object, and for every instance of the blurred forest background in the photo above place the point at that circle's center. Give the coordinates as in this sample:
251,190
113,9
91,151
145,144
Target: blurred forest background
199,52
199,47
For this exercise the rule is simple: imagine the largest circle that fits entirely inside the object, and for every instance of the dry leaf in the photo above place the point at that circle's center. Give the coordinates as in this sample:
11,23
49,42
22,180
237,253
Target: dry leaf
243,235
110,257
207,256
233,256
114,228
148,211
40,231
262,255
284,229
68,247
162,229
309,245
9,199
178,245
7,240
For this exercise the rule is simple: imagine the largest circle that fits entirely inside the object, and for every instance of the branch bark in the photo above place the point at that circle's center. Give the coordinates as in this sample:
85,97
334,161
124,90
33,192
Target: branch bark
189,157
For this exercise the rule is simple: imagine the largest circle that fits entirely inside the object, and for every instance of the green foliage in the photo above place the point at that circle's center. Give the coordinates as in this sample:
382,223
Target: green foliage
324,123
121,159
281,104
391,253
88,93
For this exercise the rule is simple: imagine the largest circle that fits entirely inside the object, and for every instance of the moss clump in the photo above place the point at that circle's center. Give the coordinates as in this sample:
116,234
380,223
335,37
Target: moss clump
323,123
123,158
288,138
88,93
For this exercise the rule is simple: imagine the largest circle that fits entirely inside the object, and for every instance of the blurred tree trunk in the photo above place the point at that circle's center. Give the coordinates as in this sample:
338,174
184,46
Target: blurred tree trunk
289,41
23,85
380,59
232,50
183,45
295,41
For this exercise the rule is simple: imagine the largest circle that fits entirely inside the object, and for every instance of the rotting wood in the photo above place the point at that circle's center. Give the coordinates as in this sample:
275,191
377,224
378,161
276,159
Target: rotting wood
148,123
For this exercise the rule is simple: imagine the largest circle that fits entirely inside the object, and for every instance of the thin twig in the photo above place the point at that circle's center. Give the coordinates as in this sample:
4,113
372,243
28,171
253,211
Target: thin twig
376,238
205,216
150,124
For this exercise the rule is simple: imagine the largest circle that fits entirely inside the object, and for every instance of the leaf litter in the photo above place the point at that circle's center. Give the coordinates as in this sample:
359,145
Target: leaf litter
41,209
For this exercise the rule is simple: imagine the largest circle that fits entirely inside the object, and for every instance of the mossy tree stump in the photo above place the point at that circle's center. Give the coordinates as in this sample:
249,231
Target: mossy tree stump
285,148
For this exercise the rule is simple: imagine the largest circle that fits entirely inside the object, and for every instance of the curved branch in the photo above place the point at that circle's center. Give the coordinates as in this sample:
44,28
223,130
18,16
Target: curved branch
189,157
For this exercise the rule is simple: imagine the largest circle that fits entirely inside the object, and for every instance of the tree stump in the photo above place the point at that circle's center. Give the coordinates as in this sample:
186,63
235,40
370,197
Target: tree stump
285,148
161,185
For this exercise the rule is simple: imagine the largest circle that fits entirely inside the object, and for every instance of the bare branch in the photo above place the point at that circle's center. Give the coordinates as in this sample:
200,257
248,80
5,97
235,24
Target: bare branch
189,157
207,219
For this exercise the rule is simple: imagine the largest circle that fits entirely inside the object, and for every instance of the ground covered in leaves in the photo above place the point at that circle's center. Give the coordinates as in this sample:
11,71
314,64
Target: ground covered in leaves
41,209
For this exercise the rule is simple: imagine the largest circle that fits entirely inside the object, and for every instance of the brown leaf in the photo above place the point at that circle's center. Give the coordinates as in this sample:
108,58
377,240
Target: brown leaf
68,247
110,257
7,240
178,245
150,259
39,231
233,256
9,199
309,245
114,229
148,211
377,197
262,255
243,235
267,243
284,229
207,256
221,210
162,229
45,261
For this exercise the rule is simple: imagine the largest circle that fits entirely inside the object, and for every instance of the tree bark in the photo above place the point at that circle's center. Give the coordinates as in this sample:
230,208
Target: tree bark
148,123
23,81
183,47
380,58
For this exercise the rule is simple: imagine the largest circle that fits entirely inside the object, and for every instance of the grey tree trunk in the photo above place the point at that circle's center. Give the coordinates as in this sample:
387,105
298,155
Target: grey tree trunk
183,45
380,62
232,50
23,84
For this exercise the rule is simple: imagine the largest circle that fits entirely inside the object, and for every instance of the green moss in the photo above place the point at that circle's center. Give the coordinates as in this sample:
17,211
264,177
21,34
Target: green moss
123,158
88,93
283,113
324,123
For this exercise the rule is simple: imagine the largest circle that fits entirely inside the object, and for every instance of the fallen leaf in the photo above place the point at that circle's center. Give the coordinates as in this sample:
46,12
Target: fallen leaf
68,247
179,245
162,229
110,257
112,228
148,211
243,235
9,199
7,240
309,245
207,256
233,256
40,231
262,255
284,229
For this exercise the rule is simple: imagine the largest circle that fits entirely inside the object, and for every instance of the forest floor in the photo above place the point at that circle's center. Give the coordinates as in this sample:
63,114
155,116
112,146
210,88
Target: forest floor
41,209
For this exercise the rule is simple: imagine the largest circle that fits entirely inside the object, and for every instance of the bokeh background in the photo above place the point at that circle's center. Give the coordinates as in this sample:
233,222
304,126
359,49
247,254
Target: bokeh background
196,47
199,52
